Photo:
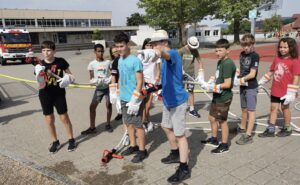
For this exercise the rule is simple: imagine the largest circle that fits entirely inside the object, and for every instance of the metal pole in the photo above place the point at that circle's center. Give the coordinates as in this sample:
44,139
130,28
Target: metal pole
253,26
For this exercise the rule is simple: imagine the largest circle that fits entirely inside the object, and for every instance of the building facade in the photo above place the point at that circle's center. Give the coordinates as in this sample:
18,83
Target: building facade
63,26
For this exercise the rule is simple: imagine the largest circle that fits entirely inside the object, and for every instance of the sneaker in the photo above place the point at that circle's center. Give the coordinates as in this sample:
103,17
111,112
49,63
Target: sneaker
210,142
130,150
244,139
54,147
194,113
72,145
108,128
284,132
118,117
89,131
222,148
240,130
171,158
140,156
179,175
267,133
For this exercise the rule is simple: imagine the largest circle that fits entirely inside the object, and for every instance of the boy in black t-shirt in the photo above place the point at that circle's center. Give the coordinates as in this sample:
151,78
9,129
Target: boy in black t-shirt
52,92
247,81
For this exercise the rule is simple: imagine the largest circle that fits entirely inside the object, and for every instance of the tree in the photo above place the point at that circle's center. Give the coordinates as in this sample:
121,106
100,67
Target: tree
97,35
236,10
245,27
166,13
272,24
136,19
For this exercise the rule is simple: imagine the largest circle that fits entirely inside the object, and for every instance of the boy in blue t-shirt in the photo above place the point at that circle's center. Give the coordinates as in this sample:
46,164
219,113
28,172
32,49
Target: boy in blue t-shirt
130,85
175,105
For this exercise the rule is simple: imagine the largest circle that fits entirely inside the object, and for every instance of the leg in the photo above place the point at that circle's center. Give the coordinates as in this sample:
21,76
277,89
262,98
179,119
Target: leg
93,107
141,137
183,148
286,114
273,113
243,124
51,127
109,111
67,123
191,101
251,122
171,138
131,133
147,107
225,131
213,125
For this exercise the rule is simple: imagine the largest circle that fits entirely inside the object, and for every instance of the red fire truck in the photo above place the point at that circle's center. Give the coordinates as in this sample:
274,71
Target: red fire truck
15,45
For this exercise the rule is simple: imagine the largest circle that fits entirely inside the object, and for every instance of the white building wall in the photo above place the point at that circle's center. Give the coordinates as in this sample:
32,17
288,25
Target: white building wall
142,33
205,34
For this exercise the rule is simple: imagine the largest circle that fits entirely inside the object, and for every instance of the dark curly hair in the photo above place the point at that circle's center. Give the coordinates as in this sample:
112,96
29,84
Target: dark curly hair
122,37
293,47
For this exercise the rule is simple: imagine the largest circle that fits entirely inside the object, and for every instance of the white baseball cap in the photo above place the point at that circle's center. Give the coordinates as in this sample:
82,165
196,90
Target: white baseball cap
193,42
159,35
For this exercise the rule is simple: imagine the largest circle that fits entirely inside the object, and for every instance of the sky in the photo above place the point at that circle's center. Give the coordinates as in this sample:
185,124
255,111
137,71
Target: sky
121,9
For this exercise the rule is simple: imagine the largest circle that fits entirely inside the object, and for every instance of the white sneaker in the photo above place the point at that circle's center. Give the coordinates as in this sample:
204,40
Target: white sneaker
150,126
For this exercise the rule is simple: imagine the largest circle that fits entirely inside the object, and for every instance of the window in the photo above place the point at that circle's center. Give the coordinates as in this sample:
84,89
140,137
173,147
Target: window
77,22
216,32
50,22
100,22
198,33
206,32
19,22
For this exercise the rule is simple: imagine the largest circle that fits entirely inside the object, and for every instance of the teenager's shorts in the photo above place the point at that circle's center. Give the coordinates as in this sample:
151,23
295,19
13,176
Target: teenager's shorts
136,120
219,110
189,87
275,99
49,101
174,118
248,99
99,94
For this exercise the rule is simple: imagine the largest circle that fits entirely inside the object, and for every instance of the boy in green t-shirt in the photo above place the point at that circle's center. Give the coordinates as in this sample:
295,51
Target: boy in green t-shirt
222,97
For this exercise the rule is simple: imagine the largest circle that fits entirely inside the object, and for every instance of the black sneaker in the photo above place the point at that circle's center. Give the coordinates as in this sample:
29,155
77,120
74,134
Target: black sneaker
284,132
194,113
72,145
222,148
179,175
130,150
54,147
171,158
240,130
267,133
108,128
211,142
118,117
89,131
140,156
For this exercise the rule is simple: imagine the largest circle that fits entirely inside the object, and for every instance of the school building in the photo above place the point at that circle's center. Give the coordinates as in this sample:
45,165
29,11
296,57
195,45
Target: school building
63,26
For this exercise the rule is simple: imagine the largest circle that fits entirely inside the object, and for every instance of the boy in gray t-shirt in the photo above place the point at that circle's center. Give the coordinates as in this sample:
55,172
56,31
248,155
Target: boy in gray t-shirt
99,76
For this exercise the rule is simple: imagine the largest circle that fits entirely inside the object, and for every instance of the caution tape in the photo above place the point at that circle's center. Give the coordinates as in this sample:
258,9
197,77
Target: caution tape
75,85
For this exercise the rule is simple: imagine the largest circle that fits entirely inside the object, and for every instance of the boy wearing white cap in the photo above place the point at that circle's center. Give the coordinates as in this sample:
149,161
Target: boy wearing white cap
189,54
175,103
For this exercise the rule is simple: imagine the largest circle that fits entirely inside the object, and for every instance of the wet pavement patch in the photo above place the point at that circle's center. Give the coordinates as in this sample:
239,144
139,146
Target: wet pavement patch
65,168
125,177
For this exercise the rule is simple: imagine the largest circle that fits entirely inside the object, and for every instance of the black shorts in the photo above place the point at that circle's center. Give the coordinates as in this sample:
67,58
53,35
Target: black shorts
189,87
48,101
275,99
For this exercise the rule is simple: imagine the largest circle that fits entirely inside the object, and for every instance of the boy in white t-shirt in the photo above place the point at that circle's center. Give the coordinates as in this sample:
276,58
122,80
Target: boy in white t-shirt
151,72
99,76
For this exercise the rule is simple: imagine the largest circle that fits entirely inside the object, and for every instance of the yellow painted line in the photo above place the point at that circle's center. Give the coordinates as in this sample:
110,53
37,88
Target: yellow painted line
33,81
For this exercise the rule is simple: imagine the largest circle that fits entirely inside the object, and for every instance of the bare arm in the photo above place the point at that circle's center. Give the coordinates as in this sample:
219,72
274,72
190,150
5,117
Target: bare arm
91,74
157,78
226,84
251,75
296,80
139,80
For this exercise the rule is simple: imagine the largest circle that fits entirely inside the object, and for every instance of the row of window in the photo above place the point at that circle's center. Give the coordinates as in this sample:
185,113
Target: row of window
207,33
55,22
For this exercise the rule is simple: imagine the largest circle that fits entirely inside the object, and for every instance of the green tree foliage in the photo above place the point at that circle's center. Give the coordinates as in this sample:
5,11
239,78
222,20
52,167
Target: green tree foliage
167,13
135,19
272,24
236,10
245,27
97,35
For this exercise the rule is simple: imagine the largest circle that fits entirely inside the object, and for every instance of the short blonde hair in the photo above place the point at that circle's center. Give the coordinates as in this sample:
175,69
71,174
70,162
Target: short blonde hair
247,40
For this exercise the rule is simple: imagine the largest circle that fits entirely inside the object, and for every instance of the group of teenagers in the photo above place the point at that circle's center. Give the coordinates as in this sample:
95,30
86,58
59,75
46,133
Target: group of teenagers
122,82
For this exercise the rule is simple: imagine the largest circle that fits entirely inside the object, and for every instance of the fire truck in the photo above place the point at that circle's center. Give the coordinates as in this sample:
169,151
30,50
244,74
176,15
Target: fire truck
15,45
